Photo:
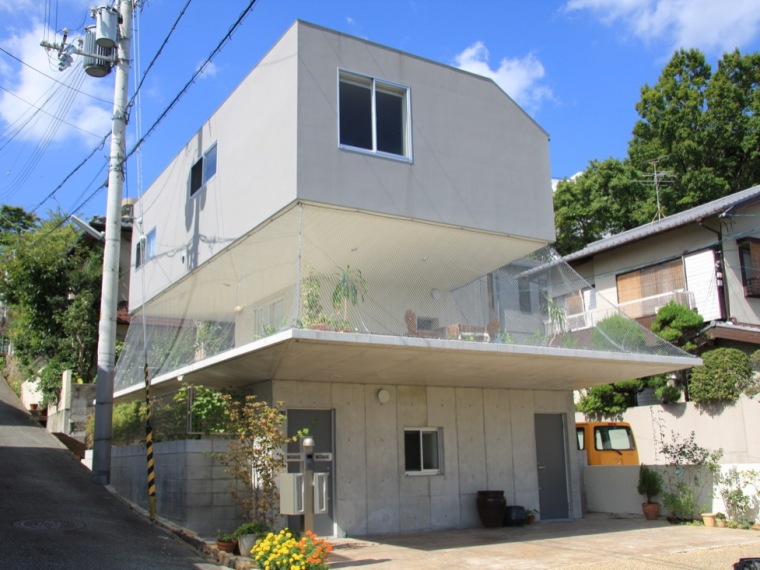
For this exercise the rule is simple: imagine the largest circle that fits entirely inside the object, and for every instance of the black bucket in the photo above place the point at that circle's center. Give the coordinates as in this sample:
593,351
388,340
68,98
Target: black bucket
514,516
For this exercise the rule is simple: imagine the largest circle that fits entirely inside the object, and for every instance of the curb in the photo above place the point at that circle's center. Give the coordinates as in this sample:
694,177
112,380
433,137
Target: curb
203,547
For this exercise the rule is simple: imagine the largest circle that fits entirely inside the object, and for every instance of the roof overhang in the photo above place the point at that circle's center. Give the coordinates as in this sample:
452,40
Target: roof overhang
318,356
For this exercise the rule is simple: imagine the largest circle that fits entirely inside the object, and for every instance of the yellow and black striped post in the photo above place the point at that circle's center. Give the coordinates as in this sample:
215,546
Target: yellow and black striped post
149,450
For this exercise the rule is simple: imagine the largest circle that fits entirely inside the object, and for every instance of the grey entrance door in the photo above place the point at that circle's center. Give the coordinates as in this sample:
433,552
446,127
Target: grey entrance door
320,426
552,466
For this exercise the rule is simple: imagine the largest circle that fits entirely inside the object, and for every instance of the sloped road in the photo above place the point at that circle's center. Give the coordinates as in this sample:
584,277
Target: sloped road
53,516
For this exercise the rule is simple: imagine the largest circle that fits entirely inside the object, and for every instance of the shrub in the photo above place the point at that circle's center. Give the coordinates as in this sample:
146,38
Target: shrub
650,483
619,334
726,373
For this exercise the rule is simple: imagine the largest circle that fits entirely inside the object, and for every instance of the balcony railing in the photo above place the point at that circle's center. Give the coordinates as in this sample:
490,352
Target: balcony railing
648,306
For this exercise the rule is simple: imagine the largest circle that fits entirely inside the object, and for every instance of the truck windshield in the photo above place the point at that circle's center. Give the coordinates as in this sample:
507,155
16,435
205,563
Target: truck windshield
613,437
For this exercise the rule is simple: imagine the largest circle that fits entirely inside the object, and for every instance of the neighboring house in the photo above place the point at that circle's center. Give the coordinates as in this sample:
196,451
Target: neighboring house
707,258
357,232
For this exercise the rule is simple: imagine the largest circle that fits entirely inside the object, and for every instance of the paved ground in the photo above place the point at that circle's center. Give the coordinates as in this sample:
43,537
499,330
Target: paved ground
594,543
52,516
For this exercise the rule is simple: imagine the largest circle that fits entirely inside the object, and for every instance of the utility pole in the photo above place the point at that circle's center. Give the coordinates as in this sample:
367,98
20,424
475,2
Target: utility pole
101,458
113,30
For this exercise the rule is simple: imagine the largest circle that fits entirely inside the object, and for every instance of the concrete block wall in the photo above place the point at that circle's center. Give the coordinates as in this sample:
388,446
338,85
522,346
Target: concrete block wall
488,443
192,486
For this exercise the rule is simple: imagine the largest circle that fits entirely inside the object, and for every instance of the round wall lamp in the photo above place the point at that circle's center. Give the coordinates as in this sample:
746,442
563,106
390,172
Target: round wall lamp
383,396
436,294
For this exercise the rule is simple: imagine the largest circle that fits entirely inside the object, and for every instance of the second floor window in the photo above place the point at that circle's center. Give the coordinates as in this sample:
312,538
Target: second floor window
749,258
203,170
146,248
374,115
651,281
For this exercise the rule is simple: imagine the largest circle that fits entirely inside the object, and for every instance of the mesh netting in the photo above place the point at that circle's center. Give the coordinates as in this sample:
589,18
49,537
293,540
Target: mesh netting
322,268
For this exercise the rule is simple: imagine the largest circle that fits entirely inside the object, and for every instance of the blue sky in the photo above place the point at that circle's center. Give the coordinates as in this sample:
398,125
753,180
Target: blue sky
576,66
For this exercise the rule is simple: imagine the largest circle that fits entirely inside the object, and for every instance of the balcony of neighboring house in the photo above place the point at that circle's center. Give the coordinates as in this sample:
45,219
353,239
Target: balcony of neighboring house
323,294
649,306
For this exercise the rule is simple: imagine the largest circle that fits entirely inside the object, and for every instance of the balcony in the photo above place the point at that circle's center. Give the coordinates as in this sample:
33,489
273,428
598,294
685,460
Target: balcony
648,306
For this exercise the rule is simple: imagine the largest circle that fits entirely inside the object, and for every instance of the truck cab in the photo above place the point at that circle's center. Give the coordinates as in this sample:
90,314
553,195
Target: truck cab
607,443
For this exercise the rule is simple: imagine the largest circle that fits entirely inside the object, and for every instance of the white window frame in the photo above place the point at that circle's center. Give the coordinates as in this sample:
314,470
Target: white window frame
146,248
438,470
381,84
205,174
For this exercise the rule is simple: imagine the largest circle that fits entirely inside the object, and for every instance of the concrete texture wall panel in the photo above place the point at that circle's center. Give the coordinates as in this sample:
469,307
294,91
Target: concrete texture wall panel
383,515
474,149
524,448
498,438
383,467
441,404
412,413
350,441
471,441
415,514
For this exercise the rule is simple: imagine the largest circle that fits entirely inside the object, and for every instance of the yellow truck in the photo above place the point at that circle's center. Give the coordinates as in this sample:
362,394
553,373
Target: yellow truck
607,443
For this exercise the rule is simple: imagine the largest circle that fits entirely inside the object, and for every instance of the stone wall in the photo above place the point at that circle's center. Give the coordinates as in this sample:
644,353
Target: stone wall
191,485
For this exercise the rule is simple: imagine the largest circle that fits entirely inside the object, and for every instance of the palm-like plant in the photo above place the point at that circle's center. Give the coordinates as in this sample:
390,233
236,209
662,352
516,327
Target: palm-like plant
351,288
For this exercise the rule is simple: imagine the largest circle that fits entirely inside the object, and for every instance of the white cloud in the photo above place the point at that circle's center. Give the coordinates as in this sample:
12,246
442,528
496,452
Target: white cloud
714,26
209,71
518,77
29,88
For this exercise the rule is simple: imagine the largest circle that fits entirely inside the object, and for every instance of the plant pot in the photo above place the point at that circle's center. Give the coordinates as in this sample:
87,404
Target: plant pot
245,544
514,516
530,519
720,523
491,508
708,519
651,511
226,545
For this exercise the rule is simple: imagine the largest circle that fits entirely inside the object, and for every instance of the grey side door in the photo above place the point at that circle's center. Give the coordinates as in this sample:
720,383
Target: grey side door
552,466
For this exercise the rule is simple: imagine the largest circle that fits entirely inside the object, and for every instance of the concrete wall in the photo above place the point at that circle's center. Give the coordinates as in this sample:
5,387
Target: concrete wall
191,485
731,428
488,443
75,404
612,489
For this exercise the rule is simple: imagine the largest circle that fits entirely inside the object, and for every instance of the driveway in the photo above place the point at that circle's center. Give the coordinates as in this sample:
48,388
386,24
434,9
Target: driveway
596,542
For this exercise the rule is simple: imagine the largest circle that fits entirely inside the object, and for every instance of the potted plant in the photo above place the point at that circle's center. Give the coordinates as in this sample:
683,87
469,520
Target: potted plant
708,519
530,516
247,534
720,520
312,314
226,542
650,485
350,288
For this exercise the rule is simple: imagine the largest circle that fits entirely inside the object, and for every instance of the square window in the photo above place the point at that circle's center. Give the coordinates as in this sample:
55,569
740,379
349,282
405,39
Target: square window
422,451
749,260
146,248
373,115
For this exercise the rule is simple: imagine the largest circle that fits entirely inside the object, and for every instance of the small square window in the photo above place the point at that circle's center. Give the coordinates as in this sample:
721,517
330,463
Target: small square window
203,170
422,451
373,115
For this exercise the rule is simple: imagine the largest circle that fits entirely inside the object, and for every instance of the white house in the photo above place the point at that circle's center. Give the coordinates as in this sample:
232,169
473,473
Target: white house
447,369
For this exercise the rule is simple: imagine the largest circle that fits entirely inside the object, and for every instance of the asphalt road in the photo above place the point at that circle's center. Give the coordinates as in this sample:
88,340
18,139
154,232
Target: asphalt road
53,516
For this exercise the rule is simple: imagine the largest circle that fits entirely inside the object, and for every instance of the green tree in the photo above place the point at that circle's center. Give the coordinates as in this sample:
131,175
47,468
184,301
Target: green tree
607,198
679,325
51,284
14,221
701,132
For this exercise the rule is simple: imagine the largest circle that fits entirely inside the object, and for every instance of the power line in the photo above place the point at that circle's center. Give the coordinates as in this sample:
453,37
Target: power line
9,54
195,75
